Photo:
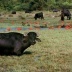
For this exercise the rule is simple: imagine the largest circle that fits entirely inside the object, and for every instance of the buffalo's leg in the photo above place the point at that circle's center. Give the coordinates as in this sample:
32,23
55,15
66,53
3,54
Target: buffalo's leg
69,17
17,49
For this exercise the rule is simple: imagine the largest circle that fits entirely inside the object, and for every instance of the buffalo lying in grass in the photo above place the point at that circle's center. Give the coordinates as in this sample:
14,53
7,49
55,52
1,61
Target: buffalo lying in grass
14,43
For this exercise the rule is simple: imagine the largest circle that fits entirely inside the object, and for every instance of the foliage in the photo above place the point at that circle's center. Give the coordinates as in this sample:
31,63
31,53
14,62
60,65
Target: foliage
34,4
67,5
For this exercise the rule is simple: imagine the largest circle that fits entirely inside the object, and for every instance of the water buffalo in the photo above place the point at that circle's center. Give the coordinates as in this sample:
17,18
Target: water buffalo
13,12
14,43
28,11
55,10
67,13
39,15
62,16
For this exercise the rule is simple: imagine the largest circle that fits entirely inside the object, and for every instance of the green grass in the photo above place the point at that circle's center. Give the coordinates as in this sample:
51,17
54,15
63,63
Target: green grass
52,54
29,19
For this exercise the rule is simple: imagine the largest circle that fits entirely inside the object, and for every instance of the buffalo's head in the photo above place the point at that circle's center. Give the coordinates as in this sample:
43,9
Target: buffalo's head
31,37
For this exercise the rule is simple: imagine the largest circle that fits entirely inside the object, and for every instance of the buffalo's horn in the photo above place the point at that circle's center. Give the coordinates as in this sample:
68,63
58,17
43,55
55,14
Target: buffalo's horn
25,34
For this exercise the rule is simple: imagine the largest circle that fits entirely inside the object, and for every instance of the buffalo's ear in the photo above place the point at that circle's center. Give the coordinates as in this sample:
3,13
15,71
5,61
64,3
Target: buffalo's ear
38,39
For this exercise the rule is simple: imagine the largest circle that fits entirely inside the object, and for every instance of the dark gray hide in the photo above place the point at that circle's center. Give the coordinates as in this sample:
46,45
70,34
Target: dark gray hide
13,12
67,13
39,15
14,43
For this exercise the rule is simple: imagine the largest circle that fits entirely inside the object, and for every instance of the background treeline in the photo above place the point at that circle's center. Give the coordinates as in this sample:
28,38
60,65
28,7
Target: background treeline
20,5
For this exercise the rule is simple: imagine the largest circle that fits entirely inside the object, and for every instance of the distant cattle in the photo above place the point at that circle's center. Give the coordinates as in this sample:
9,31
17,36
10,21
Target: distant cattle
39,15
67,13
15,43
13,12
28,11
55,10
62,16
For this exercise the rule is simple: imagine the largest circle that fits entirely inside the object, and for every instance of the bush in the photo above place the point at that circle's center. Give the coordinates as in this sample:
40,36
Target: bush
20,7
67,5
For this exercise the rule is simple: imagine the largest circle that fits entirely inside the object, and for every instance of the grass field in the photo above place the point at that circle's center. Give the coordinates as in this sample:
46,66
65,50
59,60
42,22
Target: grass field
50,19
52,54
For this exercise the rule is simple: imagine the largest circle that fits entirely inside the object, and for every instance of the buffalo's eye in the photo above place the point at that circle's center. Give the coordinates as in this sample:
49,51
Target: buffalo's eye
24,41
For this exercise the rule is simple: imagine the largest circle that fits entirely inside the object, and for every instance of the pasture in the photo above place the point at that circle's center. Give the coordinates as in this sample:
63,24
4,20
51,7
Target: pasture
52,54
21,19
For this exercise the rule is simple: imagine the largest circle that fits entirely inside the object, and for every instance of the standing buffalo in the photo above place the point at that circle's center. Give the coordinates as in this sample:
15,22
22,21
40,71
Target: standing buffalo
62,16
39,15
15,43
67,13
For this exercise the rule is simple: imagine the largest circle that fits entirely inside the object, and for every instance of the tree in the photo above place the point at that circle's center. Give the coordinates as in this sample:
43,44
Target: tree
34,4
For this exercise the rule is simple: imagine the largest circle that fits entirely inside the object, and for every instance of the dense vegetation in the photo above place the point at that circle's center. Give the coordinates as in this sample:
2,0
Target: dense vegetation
20,5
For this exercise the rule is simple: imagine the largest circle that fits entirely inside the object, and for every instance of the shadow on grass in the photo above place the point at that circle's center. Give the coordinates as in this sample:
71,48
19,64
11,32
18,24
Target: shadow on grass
25,53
